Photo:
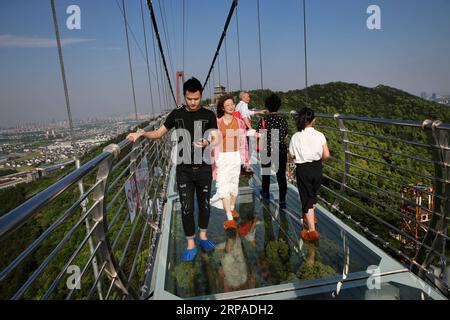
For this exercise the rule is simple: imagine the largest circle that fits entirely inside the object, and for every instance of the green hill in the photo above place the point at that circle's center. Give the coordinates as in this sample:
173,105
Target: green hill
353,99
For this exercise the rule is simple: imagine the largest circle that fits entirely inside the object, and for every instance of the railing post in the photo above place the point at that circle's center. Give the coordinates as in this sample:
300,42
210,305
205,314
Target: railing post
344,136
441,158
88,229
101,232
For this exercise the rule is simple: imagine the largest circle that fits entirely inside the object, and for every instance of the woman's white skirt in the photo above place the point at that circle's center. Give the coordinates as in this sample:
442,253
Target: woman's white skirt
228,166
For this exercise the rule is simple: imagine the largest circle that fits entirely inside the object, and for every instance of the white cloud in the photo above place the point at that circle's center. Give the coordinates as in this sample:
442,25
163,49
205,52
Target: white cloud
7,40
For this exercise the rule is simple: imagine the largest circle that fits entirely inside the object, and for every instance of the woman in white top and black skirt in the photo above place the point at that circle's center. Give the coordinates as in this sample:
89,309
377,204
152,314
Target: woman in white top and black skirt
308,148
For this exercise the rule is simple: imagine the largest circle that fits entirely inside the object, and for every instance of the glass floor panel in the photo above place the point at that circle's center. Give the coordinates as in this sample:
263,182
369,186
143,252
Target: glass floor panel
265,256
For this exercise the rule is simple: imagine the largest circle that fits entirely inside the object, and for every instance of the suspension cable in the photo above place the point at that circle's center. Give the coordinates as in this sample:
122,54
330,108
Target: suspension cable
166,34
156,68
184,32
239,50
129,59
306,51
163,84
259,41
146,57
226,65
161,50
63,74
72,138
133,35
230,15
218,67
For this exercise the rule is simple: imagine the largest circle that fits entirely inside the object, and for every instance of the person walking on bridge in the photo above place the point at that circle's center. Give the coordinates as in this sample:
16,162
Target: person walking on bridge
229,154
192,123
308,148
274,129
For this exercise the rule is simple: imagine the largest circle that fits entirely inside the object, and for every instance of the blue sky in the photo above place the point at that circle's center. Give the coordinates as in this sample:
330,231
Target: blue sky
410,52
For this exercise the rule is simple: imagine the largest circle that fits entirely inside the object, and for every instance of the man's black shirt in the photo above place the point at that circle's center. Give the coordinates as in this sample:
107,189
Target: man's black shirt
196,123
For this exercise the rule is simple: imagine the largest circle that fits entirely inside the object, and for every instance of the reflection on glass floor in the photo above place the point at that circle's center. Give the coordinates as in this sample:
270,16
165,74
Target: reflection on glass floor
266,258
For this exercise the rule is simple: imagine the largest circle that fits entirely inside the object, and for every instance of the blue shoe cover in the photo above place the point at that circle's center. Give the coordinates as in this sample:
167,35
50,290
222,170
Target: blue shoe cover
188,254
207,245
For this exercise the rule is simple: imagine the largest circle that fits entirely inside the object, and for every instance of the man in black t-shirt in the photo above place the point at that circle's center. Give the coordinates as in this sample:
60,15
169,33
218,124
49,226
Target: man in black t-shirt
193,172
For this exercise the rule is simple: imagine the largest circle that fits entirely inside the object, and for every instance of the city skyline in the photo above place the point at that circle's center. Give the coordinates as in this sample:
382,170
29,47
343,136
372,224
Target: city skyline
409,52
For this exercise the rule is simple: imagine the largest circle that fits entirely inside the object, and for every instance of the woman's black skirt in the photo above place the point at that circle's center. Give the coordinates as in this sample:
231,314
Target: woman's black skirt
309,180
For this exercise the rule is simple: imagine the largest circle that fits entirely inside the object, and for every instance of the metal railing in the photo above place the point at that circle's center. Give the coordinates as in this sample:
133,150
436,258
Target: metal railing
364,184
122,250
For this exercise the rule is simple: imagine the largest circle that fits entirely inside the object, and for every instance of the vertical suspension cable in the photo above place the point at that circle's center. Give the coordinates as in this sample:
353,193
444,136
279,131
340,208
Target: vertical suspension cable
161,50
162,9
222,37
210,93
163,87
239,49
146,56
184,33
218,68
63,74
226,65
306,51
260,51
72,138
164,93
156,68
129,59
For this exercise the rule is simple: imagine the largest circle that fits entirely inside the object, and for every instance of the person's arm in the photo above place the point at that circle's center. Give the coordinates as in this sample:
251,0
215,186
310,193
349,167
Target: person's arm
204,142
260,112
213,135
247,122
326,152
155,134
291,155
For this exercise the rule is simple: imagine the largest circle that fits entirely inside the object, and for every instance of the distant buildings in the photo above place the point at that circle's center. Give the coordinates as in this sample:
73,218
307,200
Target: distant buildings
442,99
38,151
219,91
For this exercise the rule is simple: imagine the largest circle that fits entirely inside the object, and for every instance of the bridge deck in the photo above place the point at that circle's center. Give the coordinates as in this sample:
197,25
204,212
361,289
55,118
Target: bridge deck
266,258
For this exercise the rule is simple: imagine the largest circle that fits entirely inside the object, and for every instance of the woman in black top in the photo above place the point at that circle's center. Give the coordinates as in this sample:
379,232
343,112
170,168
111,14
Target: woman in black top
273,121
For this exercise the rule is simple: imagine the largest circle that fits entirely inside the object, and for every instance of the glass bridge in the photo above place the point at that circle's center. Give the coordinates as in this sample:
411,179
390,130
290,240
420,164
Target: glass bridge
80,239
266,258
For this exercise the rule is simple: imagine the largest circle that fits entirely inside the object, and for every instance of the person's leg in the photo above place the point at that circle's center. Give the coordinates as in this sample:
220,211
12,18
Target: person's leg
186,189
231,185
233,202
316,178
302,185
234,182
203,190
222,182
281,177
227,206
265,178
310,220
305,182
